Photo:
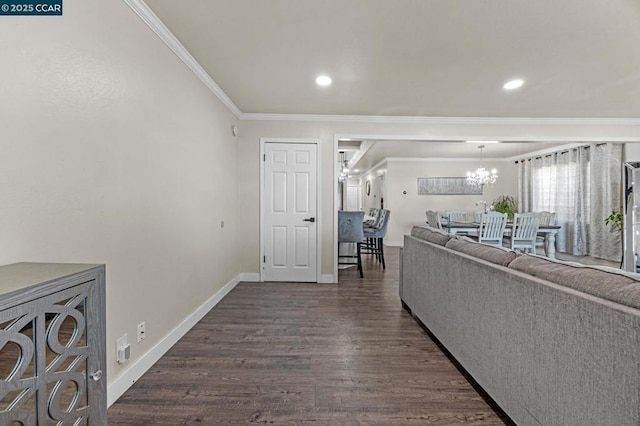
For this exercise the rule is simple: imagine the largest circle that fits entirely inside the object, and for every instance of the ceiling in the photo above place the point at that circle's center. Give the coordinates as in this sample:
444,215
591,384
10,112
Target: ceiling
381,149
441,58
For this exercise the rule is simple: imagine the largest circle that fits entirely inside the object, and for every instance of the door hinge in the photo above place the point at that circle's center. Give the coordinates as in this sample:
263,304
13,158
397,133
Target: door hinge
264,259
264,157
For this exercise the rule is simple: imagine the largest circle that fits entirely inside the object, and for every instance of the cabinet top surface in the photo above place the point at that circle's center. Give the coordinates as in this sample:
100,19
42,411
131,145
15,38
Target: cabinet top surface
23,275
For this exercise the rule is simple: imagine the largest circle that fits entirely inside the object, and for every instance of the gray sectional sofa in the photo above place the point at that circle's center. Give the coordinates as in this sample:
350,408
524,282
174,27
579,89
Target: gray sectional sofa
553,343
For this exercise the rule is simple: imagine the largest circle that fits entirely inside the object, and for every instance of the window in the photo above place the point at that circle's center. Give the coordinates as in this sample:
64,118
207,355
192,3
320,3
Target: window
582,185
561,188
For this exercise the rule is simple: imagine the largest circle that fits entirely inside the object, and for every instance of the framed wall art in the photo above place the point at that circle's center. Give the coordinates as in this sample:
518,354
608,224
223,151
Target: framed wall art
447,186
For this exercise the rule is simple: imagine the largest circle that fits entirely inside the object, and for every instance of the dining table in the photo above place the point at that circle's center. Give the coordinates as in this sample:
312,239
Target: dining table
549,233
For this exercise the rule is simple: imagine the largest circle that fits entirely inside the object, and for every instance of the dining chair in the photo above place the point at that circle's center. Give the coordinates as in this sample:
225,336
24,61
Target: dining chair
546,218
433,218
524,232
456,215
350,230
492,226
374,237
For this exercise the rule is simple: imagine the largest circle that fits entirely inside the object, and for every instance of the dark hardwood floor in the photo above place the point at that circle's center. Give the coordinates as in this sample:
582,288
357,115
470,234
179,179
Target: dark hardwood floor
291,353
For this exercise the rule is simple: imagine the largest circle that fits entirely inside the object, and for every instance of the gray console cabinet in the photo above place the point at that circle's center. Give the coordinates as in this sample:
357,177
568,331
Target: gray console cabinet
52,344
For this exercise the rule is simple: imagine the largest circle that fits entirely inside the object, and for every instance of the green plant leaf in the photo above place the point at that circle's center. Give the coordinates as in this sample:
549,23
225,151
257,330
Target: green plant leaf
506,204
616,218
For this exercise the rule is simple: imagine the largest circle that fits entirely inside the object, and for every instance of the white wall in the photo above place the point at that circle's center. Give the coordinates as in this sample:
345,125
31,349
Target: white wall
114,152
409,209
631,152
369,201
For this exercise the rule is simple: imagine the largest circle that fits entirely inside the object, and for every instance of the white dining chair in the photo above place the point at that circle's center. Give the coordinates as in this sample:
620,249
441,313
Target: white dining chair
433,218
524,232
456,215
492,226
546,218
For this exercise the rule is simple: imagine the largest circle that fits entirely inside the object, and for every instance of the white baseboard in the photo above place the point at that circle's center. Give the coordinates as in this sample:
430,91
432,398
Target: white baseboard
255,277
328,278
249,276
120,385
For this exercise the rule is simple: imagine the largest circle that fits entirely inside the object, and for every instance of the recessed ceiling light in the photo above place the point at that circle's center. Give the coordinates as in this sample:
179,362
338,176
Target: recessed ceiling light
323,80
482,141
513,84
356,170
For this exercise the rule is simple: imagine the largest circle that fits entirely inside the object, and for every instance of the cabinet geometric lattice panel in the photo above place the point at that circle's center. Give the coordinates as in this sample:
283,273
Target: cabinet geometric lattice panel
52,344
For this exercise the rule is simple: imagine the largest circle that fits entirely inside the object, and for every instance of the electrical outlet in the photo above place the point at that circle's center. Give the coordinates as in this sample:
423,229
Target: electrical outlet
142,330
123,349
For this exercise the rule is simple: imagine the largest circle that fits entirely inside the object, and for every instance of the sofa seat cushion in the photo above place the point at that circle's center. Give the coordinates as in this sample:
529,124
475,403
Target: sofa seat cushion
607,283
433,235
497,255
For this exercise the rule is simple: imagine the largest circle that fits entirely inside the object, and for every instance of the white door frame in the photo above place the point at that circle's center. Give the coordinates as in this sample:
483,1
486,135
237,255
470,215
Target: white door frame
318,226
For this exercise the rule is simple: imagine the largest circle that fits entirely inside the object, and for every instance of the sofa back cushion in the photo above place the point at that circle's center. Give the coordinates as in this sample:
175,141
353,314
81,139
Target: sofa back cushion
607,283
497,255
433,235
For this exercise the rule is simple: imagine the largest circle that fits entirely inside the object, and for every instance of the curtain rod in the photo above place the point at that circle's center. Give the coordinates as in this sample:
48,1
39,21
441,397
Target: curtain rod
559,152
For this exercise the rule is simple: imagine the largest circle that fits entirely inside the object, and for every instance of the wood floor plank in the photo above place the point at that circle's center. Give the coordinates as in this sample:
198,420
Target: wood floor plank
293,353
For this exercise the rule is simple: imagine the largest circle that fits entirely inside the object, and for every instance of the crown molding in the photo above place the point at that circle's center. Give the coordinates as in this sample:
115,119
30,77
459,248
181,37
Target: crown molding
514,121
148,17
443,159
388,160
371,169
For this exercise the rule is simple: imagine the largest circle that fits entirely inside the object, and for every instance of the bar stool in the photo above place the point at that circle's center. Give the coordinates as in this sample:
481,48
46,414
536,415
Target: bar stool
350,230
375,237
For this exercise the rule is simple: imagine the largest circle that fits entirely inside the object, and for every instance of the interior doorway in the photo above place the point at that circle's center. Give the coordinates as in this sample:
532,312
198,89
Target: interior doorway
289,237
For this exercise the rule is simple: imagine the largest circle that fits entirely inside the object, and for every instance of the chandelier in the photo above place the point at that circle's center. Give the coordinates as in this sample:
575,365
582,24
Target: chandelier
344,166
482,176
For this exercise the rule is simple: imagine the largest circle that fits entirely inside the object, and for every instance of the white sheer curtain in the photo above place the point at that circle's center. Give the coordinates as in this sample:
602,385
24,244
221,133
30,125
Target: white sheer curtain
582,186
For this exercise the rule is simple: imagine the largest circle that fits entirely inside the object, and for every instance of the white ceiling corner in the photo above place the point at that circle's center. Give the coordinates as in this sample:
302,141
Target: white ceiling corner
158,27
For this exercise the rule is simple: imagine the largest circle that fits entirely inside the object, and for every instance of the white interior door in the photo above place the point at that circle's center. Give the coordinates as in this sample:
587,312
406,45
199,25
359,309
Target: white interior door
353,198
289,213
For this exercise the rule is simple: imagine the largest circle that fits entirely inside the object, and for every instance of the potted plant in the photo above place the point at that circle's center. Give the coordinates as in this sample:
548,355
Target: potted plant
616,219
506,204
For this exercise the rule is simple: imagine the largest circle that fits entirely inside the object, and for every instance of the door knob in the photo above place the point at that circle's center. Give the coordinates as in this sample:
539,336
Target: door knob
96,375
311,219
